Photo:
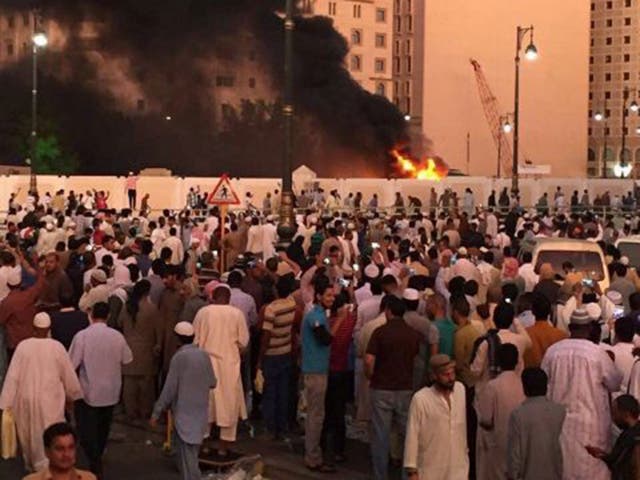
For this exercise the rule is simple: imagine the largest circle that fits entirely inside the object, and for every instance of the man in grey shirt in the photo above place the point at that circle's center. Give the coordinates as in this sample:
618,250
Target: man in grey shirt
186,393
534,451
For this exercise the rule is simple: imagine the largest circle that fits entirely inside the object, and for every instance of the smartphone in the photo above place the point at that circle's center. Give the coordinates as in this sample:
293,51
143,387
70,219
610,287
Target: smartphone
215,253
356,267
375,245
326,261
344,282
412,271
618,312
198,265
89,248
588,282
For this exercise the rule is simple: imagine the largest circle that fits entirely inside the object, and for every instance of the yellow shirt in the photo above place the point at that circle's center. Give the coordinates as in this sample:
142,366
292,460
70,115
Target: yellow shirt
47,475
463,341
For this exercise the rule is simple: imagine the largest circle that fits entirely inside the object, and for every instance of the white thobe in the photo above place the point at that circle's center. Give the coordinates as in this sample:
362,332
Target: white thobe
492,225
177,249
269,240
581,376
39,381
254,239
221,331
436,437
528,274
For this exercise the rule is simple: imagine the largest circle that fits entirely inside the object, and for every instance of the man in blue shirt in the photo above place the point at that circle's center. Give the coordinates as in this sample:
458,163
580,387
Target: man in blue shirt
186,393
316,341
98,353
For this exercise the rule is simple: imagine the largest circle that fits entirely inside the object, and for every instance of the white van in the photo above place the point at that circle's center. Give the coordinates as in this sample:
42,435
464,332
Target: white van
586,257
630,247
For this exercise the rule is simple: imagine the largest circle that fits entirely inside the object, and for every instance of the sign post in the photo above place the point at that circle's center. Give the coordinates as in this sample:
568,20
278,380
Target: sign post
223,196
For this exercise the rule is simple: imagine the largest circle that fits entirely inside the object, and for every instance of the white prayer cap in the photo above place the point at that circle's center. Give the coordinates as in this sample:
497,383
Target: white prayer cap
270,218
42,320
615,297
185,329
372,271
313,219
462,252
248,219
99,276
580,317
624,261
49,227
221,285
387,271
411,294
594,311
15,277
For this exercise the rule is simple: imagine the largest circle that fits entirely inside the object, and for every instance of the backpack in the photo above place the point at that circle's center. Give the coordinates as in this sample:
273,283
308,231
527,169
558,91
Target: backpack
493,346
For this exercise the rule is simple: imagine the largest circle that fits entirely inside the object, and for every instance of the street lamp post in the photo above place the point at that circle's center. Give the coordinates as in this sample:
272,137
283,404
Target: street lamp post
625,112
531,53
603,117
287,225
39,40
505,127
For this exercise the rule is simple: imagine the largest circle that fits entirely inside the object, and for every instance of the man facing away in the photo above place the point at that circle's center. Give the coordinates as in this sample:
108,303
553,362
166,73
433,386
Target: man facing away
533,437
186,393
60,448
436,438
98,354
39,381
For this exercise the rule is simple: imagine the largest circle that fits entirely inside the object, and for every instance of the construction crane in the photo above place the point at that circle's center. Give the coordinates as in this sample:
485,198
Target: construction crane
492,112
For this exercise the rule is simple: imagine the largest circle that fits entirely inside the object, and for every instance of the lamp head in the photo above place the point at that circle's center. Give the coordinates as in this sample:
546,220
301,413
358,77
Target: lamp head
40,40
598,116
531,52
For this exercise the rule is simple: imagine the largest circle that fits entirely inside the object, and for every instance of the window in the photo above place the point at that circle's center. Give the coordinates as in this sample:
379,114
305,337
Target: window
590,113
609,22
607,77
626,129
589,131
356,63
591,60
380,89
224,81
332,8
395,89
627,39
407,47
582,261
607,131
11,21
609,5
381,15
590,95
252,82
626,75
381,40
591,41
409,23
607,95
627,21
607,113
396,6
10,49
380,65
398,22
627,58
407,106
407,88
227,111
627,3
357,11
396,101
593,24
609,41
591,77
356,37
26,21
396,64
593,6
409,64
396,49
607,59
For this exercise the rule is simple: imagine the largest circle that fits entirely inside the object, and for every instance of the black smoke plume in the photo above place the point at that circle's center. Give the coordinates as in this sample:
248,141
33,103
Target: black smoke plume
341,130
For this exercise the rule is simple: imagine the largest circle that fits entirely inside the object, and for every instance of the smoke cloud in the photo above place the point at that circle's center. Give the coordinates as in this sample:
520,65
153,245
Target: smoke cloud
124,65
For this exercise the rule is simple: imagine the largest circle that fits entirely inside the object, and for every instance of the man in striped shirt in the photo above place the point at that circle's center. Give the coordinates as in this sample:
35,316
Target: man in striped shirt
275,357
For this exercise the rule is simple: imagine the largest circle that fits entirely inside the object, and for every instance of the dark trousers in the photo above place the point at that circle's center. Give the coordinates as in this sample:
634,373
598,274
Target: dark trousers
93,425
132,198
334,429
275,397
294,396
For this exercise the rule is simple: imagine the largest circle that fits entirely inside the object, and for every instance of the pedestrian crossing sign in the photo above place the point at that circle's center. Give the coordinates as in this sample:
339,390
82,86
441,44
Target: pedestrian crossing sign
223,194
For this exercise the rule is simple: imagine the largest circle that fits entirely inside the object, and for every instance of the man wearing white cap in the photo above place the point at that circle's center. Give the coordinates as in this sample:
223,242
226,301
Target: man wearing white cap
269,238
581,377
186,394
221,331
465,268
39,381
99,291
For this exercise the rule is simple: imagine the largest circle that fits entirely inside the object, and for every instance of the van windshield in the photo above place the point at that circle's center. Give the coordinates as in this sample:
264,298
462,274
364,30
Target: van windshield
587,262
630,250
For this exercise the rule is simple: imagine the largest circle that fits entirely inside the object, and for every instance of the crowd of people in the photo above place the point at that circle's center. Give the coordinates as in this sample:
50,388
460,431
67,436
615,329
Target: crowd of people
431,330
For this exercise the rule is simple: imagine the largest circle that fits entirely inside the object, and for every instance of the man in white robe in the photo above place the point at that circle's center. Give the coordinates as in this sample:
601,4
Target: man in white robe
221,331
436,439
581,377
269,238
39,381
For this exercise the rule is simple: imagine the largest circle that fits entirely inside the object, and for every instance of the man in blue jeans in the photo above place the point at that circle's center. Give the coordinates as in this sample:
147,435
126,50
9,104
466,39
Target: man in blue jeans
389,364
275,357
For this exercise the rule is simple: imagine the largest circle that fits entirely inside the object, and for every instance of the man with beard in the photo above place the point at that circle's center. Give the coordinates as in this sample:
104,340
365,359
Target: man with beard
436,438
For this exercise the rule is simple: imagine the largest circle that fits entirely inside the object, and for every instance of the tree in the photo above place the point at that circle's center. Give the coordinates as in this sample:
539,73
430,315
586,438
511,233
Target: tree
50,158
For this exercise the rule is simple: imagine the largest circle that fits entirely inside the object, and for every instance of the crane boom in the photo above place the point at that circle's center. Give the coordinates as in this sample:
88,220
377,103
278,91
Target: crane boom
492,113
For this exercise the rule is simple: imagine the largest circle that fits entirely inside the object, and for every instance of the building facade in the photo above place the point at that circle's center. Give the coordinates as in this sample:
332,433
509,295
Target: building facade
614,63
367,25
16,32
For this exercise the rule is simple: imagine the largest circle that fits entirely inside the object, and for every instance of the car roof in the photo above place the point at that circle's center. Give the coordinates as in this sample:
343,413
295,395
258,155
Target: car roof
567,244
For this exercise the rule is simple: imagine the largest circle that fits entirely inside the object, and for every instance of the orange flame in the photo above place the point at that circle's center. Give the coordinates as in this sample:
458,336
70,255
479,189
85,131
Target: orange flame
428,169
